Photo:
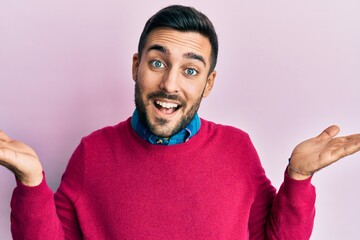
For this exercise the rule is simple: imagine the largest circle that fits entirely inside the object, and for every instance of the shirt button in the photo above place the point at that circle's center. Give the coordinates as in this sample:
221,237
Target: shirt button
159,141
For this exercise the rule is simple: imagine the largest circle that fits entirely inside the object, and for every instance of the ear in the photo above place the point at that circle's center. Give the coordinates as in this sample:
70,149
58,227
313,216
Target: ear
209,84
135,66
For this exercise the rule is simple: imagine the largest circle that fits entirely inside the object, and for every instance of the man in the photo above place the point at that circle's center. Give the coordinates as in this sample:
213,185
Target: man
165,173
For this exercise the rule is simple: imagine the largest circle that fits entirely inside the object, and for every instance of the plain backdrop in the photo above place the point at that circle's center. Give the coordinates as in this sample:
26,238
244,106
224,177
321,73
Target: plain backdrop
286,70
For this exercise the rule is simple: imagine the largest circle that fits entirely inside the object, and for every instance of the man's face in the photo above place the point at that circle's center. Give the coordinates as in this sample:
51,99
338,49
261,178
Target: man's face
171,78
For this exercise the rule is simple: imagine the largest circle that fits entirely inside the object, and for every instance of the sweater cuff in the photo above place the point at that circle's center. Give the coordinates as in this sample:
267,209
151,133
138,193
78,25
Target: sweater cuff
32,194
299,191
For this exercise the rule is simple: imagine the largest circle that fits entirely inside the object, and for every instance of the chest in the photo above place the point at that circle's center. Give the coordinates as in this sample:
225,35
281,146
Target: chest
167,196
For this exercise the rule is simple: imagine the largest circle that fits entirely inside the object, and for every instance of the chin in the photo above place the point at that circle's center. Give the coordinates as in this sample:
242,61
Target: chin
163,130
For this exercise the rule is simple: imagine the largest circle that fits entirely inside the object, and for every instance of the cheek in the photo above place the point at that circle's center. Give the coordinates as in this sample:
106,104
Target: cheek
148,80
194,91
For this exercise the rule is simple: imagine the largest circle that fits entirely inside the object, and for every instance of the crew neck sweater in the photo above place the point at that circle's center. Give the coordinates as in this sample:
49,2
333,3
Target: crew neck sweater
118,186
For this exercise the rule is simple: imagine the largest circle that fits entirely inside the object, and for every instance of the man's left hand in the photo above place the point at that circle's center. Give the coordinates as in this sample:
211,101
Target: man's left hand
319,152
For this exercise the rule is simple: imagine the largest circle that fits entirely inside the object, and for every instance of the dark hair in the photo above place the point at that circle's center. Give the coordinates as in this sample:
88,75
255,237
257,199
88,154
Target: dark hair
183,19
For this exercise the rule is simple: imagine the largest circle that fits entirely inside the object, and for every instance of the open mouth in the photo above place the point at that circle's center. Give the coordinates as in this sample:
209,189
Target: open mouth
167,107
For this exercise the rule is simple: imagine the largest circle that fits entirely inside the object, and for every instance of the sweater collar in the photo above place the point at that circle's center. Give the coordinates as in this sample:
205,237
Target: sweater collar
184,135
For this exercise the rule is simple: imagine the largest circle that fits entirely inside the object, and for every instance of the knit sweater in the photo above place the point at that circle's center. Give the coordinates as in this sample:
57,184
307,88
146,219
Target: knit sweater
117,186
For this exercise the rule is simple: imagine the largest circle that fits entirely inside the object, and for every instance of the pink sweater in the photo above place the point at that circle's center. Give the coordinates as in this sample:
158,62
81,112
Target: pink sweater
117,186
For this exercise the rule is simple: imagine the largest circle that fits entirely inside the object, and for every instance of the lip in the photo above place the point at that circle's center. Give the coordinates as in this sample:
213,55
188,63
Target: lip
166,101
162,114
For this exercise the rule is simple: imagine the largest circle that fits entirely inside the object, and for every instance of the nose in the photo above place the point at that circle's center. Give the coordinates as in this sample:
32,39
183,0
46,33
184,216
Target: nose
170,81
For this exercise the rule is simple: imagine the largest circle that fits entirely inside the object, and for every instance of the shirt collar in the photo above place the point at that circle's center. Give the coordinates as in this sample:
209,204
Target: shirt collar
184,135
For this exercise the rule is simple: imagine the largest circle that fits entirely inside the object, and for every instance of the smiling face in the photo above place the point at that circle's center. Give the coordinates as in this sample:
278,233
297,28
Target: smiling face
171,78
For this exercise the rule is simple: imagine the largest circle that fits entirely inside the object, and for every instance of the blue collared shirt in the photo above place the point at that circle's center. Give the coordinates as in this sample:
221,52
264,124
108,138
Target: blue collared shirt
184,135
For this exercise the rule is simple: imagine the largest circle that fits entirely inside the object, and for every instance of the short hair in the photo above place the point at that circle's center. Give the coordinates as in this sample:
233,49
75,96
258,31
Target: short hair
184,19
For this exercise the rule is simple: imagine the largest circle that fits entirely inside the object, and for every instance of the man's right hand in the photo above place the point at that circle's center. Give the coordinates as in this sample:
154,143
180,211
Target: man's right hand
21,160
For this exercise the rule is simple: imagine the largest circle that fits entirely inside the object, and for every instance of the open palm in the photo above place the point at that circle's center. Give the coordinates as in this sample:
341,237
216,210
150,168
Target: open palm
21,160
323,150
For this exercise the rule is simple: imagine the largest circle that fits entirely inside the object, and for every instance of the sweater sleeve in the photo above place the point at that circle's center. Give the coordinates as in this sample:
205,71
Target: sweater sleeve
33,213
36,213
293,211
287,214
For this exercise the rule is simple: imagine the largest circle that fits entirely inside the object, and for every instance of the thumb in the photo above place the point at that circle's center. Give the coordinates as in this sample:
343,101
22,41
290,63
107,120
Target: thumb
329,132
4,137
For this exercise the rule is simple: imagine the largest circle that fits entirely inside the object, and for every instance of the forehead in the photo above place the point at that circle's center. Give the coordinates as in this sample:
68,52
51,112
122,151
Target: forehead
176,42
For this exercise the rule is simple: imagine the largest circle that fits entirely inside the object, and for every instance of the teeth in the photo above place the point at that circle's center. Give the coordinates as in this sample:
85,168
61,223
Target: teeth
167,105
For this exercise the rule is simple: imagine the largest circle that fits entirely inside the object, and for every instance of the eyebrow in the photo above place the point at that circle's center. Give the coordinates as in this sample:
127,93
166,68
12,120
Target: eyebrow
157,48
189,55
195,56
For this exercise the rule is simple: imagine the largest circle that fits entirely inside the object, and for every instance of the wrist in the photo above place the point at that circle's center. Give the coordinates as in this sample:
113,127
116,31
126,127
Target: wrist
32,181
296,174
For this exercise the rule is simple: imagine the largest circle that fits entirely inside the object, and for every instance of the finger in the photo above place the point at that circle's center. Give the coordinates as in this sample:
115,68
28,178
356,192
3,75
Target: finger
7,155
8,166
4,137
329,132
354,137
8,160
11,146
350,147
13,159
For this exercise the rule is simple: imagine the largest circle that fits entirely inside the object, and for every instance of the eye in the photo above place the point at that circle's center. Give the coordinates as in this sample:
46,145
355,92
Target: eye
157,64
191,72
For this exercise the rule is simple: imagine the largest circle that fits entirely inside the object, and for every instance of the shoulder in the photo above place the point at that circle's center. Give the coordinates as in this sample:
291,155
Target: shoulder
224,130
108,133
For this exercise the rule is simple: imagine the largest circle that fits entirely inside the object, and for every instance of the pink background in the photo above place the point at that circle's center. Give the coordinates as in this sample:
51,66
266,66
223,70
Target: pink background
287,69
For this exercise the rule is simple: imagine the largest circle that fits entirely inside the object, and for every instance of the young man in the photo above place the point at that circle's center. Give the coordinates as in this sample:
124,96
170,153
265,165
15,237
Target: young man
165,173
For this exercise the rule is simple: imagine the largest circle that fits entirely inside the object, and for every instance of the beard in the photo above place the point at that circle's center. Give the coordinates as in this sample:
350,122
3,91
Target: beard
162,127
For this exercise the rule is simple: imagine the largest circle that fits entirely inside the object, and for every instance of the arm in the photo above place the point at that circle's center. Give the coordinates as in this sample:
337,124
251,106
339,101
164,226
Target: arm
35,213
293,210
288,214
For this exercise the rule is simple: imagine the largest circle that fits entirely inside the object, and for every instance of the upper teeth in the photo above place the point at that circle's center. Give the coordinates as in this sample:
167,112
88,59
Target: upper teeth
167,105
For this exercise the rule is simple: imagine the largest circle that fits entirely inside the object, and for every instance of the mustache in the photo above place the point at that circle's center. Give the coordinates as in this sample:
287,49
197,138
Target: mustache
164,95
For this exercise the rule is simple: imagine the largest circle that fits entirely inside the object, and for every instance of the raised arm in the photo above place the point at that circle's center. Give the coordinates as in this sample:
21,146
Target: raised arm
33,214
293,211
